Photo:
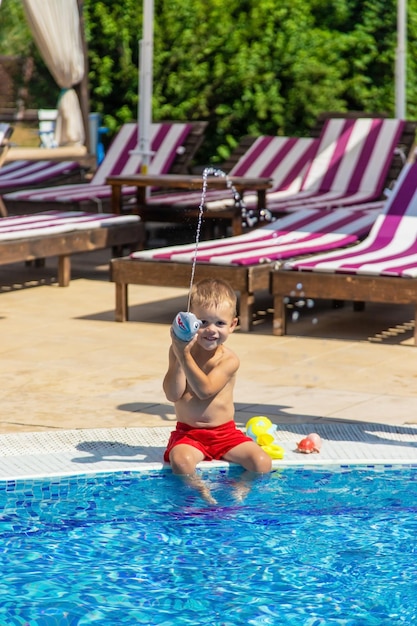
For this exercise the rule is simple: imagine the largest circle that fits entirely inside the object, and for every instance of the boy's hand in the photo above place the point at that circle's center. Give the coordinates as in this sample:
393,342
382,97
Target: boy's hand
181,347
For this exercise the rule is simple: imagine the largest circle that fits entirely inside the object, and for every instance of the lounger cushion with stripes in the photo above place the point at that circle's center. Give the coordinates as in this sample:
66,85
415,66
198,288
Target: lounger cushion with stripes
122,158
346,166
350,166
61,234
283,159
56,222
26,174
390,249
298,233
5,132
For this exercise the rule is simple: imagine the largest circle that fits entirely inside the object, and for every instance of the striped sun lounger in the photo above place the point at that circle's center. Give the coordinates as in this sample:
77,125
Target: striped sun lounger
350,166
25,174
350,163
382,268
283,159
299,233
63,233
121,158
6,131
244,260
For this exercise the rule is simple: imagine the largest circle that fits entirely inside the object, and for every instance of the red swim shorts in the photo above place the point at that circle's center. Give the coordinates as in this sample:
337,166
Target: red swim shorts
214,443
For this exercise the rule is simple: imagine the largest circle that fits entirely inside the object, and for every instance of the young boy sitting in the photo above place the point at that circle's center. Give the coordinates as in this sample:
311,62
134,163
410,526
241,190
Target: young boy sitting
200,381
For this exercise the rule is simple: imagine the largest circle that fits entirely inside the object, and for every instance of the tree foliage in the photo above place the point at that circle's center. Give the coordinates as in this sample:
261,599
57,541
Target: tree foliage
250,66
247,66
33,83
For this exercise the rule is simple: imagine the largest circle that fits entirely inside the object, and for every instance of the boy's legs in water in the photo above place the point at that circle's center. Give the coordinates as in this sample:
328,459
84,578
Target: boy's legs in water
183,459
254,460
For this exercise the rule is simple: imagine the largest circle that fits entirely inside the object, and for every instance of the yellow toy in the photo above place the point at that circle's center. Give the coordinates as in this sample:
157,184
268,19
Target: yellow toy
262,430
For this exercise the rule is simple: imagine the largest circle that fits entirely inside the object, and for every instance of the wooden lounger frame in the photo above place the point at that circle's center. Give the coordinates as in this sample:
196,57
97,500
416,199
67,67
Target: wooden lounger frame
248,279
357,288
245,280
129,235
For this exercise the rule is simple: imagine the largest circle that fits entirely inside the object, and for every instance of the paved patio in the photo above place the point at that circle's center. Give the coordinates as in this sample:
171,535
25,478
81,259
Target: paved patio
66,365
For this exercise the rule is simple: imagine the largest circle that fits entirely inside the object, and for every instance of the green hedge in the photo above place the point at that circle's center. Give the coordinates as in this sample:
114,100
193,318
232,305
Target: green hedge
245,66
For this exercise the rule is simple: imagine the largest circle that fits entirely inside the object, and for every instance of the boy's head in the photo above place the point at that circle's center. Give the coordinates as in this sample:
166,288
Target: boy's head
214,303
213,292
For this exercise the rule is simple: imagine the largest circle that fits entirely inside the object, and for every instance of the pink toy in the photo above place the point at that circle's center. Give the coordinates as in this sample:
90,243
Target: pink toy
311,443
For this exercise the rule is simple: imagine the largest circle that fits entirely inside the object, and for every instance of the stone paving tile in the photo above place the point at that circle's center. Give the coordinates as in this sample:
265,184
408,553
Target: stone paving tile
65,363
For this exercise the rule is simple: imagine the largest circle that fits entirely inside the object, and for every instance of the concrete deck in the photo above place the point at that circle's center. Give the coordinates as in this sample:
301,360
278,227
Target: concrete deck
66,365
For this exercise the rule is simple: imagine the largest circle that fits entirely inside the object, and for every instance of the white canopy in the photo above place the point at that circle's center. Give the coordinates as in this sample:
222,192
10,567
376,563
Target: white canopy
55,25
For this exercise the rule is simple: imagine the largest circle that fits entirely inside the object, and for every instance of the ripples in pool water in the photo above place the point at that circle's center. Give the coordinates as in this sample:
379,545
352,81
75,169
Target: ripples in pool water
307,547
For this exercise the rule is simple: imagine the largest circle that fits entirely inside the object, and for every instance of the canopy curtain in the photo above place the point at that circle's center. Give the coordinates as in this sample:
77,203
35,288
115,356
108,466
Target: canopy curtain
55,26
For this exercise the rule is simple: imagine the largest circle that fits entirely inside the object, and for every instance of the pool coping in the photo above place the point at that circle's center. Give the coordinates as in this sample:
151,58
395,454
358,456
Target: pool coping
82,451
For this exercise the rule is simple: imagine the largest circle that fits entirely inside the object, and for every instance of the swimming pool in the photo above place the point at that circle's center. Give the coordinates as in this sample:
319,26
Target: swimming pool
308,546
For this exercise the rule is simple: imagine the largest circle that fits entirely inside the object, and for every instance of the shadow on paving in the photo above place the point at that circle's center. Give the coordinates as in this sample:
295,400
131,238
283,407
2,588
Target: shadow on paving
328,428
377,323
99,451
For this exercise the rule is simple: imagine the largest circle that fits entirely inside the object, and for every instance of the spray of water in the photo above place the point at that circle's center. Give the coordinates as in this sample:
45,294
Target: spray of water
209,171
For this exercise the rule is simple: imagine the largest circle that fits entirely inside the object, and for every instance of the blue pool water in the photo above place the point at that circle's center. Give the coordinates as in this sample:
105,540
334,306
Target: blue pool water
307,547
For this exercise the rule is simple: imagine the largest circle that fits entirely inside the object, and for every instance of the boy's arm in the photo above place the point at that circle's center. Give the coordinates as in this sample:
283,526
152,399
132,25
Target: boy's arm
174,381
207,385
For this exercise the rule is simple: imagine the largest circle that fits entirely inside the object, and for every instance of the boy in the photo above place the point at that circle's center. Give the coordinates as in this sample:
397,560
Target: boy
200,381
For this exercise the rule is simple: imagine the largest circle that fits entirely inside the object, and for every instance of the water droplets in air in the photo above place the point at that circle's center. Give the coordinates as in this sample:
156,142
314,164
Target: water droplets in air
211,171
297,301
249,217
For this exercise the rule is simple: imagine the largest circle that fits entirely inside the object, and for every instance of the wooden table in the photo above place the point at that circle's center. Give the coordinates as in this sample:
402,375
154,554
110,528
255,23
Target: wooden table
167,213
